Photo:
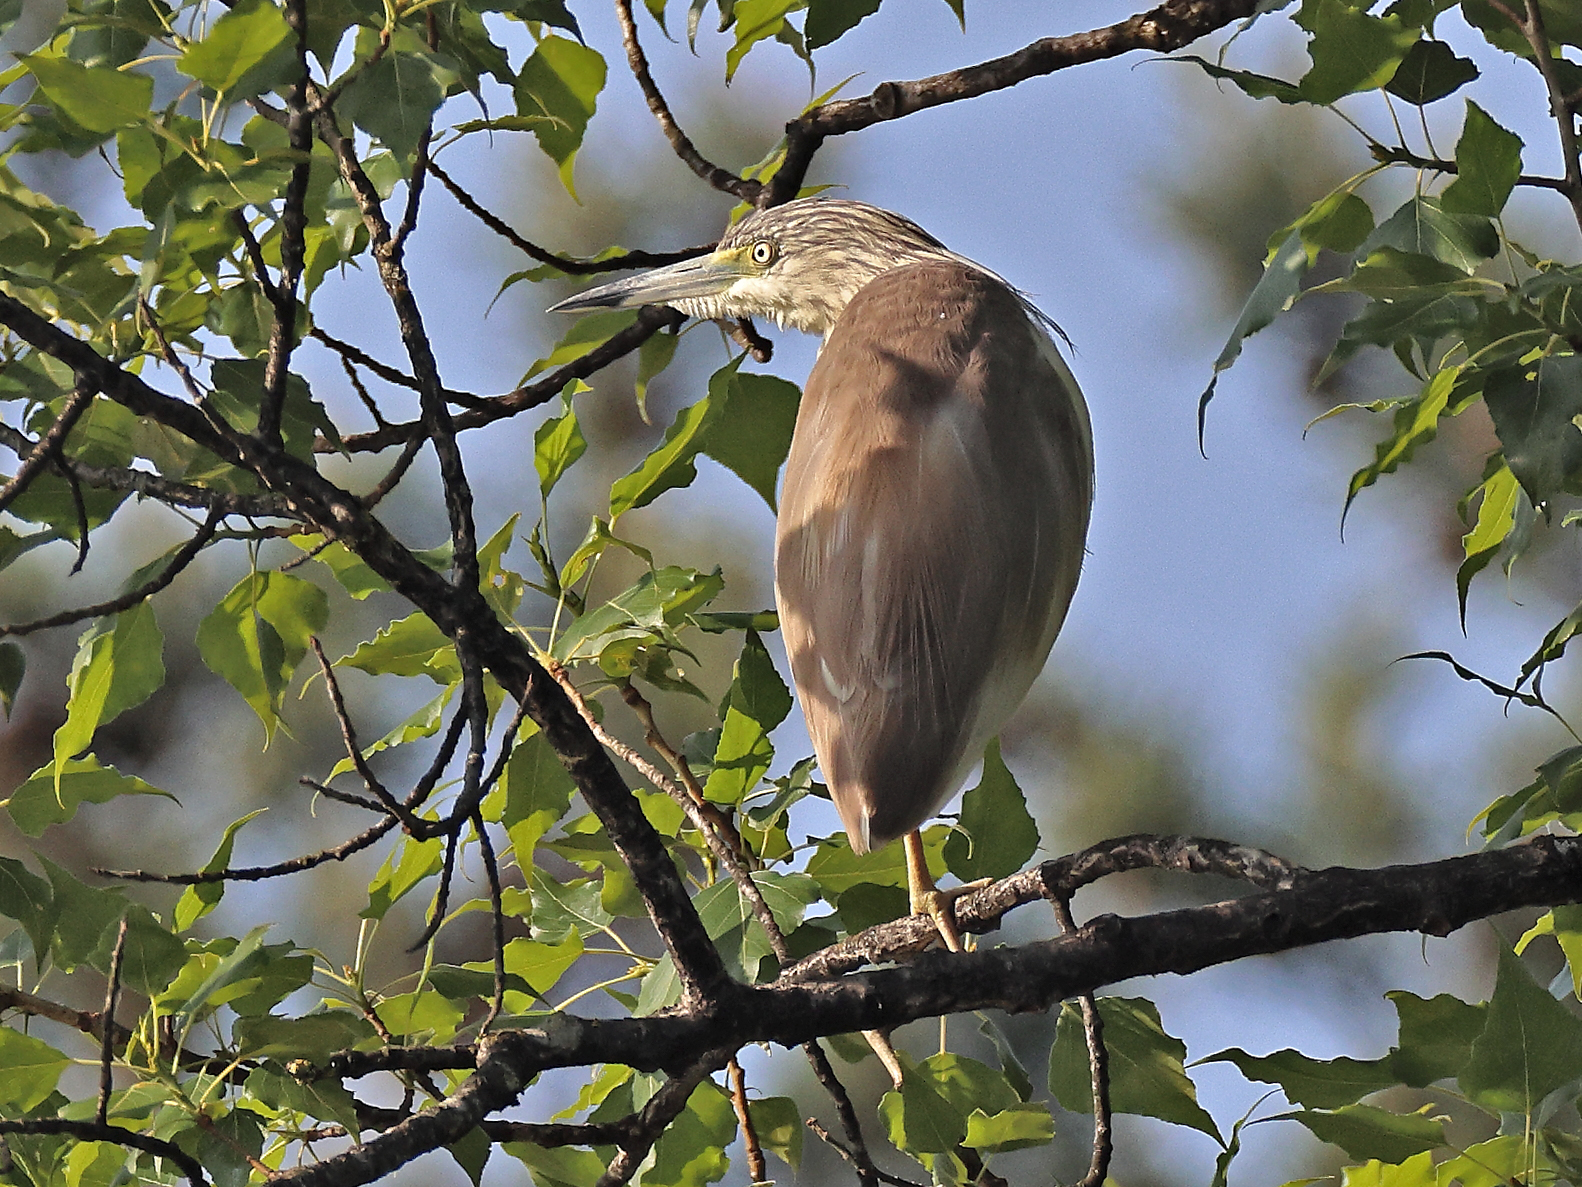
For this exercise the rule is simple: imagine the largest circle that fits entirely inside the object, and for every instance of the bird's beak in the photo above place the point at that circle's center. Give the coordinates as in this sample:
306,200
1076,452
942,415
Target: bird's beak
705,276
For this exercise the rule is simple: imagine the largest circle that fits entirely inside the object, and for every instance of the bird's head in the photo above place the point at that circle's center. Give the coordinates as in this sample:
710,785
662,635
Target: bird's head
797,265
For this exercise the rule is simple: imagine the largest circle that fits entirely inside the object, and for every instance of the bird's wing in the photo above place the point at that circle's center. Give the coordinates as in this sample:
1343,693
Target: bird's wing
930,535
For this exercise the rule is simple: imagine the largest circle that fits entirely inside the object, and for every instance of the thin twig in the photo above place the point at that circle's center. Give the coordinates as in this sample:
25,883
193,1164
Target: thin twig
757,1168
414,193
650,321
90,1131
720,179
866,1171
857,1151
49,444
361,389
1098,1065
112,993
131,598
696,813
497,917
1404,156
567,264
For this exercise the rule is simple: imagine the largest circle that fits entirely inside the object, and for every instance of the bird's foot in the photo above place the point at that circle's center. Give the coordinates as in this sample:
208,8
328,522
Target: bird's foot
940,906
879,1040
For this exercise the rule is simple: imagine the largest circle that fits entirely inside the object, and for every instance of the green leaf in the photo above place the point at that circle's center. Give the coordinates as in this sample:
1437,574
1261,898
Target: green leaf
756,20
1312,1083
323,1099
1499,1162
403,868
1363,1131
1415,423
29,1070
28,899
244,53
539,965
829,20
1147,1065
202,897
1351,50
1530,1046
1534,416
1424,227
751,435
691,1151
1488,162
394,99
313,1037
1496,518
1388,274
557,1166
153,953
1416,1171
13,666
48,798
87,919
673,463
1270,297
561,910
259,633
1436,1037
560,83
1429,71
537,792
1254,86
410,646
557,444
355,577
996,834
119,665
96,98
777,1120
758,702
1019,1127
918,1119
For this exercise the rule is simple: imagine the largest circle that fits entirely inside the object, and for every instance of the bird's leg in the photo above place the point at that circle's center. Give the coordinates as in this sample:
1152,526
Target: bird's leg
879,1040
928,899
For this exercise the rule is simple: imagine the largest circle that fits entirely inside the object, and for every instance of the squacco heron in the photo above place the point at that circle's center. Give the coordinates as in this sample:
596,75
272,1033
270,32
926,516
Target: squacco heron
935,509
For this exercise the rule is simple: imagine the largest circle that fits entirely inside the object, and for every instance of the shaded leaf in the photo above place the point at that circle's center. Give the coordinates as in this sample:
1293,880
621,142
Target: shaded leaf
1351,50
996,834
1429,71
1147,1072
560,84
96,98
751,435
1534,416
1363,1131
1312,1083
259,633
1488,162
119,665
1530,1046
47,798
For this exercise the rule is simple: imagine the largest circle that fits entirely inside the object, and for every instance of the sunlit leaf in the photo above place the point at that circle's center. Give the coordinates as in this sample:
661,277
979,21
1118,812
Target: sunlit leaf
560,83
996,834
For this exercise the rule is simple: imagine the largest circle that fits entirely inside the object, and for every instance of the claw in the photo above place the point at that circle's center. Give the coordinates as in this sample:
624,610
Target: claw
928,899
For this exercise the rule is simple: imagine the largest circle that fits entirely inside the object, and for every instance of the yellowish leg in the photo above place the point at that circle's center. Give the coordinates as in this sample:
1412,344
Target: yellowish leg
879,1040
928,899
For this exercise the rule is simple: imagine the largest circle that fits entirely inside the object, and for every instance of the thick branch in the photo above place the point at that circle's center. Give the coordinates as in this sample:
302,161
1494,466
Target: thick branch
1435,898
1174,24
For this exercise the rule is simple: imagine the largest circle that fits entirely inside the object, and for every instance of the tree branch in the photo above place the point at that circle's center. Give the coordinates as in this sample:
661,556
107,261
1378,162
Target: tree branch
650,321
126,601
567,264
1174,24
720,179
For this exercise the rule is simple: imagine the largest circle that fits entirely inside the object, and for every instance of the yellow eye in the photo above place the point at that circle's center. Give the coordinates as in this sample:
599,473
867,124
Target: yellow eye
763,253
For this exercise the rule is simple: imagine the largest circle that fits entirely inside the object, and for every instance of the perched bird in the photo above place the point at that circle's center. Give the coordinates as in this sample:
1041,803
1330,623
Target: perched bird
932,525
